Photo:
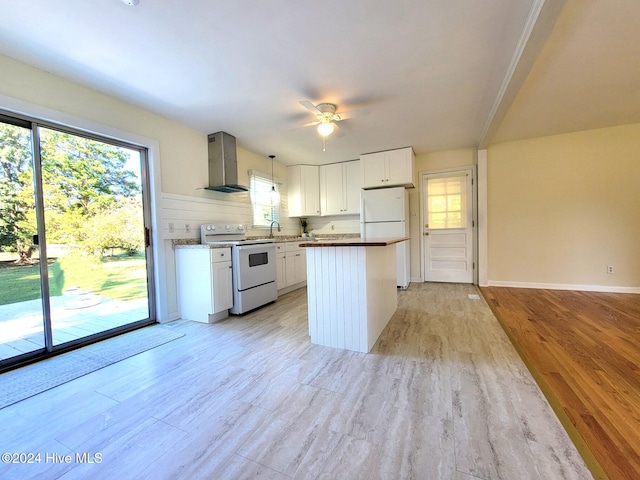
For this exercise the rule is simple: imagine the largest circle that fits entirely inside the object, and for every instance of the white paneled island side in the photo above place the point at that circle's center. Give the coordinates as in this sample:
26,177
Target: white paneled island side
351,290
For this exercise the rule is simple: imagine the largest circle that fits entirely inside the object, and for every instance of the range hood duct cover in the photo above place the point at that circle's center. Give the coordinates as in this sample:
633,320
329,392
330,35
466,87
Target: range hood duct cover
223,164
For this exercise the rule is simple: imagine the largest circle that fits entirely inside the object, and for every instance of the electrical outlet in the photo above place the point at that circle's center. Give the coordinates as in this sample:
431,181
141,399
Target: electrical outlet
171,228
333,227
187,228
609,268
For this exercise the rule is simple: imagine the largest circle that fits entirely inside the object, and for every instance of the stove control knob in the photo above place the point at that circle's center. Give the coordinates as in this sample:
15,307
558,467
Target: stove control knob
227,227
241,227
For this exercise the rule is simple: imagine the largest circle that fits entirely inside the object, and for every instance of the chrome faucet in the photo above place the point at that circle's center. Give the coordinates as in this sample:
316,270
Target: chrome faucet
271,228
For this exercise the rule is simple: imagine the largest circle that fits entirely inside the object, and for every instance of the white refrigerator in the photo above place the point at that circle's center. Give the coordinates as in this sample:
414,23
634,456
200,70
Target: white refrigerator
384,213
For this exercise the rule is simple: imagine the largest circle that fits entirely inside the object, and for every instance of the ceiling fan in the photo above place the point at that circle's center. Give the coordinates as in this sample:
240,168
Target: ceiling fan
326,117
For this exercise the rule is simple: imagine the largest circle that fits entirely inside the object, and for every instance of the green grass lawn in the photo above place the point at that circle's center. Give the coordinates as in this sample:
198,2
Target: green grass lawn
119,278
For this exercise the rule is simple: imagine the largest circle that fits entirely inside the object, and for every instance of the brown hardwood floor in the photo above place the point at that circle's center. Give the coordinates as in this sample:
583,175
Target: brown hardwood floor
583,348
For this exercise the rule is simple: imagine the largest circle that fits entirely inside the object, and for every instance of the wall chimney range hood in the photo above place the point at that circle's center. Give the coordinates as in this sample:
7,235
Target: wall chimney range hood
223,164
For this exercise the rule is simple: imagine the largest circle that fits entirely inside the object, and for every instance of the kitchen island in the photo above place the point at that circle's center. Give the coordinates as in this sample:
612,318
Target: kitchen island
351,289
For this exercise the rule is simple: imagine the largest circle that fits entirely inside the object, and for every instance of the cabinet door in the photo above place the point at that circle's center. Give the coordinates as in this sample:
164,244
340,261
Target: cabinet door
399,167
300,266
281,272
294,190
289,269
353,185
222,286
310,186
303,186
193,283
374,173
332,189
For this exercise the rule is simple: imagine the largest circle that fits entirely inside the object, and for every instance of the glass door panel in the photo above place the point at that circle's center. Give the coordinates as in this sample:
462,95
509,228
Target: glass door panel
21,318
95,234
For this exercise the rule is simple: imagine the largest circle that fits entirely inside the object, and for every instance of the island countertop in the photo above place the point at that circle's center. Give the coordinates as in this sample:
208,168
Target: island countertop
354,242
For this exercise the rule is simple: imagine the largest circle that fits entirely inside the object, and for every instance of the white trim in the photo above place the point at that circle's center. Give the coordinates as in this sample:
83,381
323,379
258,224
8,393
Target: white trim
483,213
529,24
564,286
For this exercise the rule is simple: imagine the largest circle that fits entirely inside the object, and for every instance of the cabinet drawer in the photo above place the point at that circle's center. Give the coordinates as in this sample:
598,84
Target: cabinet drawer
220,255
293,246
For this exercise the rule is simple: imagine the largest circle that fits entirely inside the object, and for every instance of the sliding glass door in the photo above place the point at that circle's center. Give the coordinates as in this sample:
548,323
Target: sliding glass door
74,257
21,314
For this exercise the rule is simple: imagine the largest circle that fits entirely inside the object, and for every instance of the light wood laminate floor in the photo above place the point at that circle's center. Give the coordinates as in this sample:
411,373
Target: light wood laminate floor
443,395
583,349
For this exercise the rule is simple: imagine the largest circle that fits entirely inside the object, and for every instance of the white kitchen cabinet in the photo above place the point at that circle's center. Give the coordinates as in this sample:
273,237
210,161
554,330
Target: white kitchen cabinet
291,266
281,269
392,168
304,190
296,263
204,283
222,285
340,188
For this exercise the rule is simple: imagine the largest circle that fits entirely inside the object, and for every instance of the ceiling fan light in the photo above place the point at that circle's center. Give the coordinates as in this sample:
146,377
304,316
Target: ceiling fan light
325,129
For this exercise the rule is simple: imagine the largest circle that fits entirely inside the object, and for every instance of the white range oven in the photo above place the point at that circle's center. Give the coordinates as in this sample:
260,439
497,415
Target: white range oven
253,265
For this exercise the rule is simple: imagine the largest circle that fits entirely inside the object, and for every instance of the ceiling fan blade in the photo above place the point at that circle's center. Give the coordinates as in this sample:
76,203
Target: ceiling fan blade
338,132
309,106
310,124
358,112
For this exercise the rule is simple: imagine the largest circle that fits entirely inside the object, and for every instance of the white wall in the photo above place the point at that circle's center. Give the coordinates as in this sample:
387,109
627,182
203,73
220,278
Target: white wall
561,208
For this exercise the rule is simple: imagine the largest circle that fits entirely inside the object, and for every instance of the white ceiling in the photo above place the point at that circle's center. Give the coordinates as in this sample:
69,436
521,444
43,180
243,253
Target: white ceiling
432,74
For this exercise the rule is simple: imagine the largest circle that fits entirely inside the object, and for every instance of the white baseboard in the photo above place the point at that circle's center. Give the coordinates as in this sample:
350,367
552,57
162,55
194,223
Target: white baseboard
172,317
564,286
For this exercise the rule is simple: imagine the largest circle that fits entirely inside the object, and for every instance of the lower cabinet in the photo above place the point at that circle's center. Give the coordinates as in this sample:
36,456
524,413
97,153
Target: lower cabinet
291,266
204,283
281,268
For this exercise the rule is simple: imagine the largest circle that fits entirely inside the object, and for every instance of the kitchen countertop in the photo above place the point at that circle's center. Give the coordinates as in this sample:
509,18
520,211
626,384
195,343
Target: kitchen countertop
195,242
199,245
354,242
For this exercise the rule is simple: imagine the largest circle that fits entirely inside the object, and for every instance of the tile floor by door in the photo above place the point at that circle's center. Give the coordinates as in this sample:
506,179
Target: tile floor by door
443,396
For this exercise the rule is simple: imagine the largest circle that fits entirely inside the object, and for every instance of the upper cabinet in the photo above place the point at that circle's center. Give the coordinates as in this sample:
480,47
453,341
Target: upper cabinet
304,190
340,188
393,168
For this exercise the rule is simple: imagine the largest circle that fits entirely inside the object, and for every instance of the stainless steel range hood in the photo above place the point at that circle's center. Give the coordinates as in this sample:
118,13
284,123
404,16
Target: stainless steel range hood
223,164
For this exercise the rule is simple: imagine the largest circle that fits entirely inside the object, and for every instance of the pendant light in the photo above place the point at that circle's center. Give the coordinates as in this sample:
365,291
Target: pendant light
275,196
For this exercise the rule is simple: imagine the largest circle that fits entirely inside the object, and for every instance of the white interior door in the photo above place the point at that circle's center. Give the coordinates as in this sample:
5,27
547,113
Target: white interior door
448,227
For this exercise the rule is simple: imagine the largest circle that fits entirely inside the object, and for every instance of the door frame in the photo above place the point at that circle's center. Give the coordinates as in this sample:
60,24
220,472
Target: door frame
149,172
473,171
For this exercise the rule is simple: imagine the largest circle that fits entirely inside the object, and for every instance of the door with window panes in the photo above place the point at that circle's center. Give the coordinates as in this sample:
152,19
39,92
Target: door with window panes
448,227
